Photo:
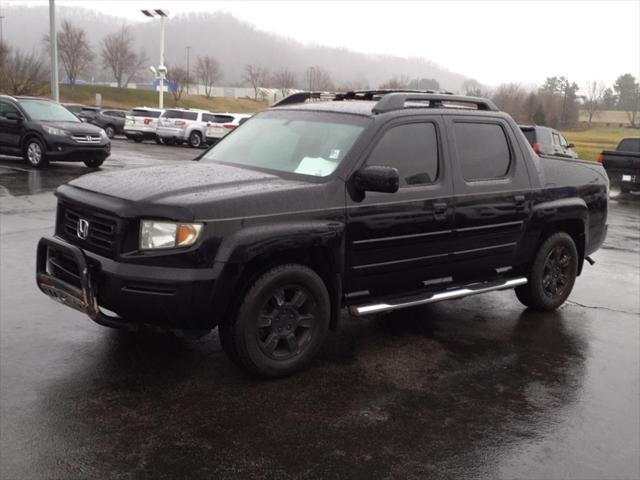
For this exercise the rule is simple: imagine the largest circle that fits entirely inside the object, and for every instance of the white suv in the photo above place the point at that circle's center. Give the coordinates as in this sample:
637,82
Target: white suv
223,124
141,123
178,125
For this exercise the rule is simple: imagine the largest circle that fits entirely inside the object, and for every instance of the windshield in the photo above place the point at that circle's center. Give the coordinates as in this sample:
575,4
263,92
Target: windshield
307,143
40,110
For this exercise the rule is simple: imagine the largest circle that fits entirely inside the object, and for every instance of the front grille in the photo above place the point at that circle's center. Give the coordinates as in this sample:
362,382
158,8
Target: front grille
84,139
101,235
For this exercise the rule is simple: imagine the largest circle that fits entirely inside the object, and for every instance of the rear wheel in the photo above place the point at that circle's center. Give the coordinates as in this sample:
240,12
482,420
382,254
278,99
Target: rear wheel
195,139
169,141
137,139
159,140
553,274
34,153
281,322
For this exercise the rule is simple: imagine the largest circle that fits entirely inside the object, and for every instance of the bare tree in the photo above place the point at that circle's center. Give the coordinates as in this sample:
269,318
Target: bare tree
178,77
474,88
593,100
208,72
4,54
396,82
119,57
285,80
74,50
23,73
512,98
256,76
319,79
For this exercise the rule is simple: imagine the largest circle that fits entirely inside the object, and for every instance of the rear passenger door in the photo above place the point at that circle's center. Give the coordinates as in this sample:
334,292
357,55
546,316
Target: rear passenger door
397,241
492,195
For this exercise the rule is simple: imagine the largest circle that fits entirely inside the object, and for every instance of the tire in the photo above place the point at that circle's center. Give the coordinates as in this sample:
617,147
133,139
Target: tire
169,141
552,275
281,322
94,162
159,141
195,139
110,131
34,153
137,139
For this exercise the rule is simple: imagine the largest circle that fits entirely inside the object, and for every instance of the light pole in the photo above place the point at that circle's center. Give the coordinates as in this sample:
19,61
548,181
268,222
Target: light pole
311,72
53,37
162,69
188,48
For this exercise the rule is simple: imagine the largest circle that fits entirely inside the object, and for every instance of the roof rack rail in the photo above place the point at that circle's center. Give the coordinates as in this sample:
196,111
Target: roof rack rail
396,101
301,97
389,100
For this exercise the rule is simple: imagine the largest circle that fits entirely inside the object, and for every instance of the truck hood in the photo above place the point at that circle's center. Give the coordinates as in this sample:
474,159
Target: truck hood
205,190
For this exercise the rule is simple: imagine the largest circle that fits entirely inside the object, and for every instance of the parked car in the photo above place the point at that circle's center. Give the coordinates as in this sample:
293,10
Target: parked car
223,124
75,108
141,123
109,119
376,201
178,125
547,141
41,131
623,164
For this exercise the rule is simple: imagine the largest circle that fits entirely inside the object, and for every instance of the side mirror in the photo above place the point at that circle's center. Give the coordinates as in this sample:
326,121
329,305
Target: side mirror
16,117
377,179
571,145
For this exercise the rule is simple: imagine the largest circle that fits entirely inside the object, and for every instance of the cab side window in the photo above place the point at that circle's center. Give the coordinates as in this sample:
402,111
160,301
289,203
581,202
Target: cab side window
412,149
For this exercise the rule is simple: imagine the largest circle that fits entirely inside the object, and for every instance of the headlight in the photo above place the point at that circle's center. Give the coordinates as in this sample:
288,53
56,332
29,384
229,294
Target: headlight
55,131
103,134
168,234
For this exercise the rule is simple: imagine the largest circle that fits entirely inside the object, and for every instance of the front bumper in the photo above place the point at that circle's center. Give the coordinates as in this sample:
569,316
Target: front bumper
138,296
70,151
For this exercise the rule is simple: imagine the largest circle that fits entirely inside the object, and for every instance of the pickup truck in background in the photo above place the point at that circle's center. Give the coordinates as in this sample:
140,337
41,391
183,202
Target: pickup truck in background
623,164
371,200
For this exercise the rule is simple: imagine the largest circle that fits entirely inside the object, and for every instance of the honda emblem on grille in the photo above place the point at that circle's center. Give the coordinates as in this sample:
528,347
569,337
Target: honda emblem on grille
83,228
88,138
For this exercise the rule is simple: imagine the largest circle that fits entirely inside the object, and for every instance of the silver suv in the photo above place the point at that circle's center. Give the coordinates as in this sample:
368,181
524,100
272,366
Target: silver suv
178,125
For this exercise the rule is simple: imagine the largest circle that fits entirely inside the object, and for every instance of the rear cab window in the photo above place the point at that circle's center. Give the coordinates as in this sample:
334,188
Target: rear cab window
530,134
629,145
483,150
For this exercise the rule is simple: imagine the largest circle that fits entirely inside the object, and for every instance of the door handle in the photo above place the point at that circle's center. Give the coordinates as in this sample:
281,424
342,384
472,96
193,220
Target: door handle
440,207
519,199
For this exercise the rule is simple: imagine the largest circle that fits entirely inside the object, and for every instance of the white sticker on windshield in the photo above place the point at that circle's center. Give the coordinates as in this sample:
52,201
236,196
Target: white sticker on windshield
316,166
335,153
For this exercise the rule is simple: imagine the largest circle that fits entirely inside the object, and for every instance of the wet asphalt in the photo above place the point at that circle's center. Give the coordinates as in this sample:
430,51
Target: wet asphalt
474,388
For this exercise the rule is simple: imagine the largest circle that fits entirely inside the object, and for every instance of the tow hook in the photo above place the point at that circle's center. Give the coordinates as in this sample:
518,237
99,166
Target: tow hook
590,260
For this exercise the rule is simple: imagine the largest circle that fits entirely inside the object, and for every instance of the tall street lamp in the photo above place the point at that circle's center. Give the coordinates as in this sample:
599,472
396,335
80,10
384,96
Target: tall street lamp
162,69
53,36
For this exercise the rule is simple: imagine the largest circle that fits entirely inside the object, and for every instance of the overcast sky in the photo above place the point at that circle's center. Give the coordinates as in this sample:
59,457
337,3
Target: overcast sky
493,41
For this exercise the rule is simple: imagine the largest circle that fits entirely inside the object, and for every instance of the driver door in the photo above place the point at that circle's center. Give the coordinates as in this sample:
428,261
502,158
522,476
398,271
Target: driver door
397,241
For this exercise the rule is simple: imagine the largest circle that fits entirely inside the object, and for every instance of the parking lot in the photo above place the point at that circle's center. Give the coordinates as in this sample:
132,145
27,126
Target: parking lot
473,388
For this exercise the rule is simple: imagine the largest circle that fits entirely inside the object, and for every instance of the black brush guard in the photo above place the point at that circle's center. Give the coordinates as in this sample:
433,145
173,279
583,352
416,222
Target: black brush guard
83,297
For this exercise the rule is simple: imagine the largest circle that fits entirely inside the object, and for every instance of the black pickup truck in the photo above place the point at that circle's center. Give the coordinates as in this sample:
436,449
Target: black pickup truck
623,164
372,200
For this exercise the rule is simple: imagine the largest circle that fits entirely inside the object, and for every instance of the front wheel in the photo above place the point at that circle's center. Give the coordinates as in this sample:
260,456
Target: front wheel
34,153
553,274
94,162
281,322
110,131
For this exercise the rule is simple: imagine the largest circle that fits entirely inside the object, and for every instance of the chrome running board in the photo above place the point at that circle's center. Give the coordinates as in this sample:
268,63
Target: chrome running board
360,310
